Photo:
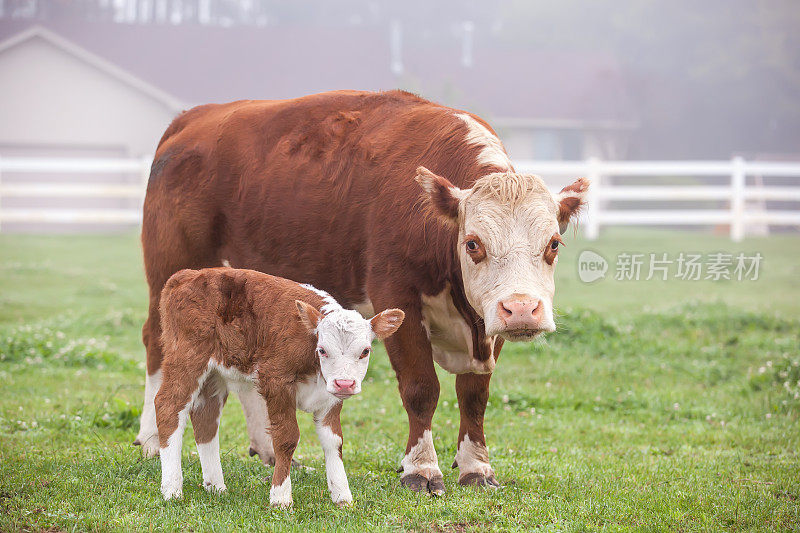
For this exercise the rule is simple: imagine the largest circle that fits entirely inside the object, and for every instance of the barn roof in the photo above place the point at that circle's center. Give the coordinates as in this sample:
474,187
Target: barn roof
39,32
214,64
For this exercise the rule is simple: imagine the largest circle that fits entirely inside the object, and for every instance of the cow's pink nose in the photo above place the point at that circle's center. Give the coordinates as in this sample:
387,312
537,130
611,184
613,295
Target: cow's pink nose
344,384
521,312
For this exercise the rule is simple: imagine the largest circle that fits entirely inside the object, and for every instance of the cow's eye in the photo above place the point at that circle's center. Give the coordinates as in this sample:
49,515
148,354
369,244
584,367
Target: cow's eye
321,351
475,248
554,245
365,353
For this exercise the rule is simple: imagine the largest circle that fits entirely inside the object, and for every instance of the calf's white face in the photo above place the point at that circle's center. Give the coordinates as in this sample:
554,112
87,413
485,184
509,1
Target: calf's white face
509,232
344,340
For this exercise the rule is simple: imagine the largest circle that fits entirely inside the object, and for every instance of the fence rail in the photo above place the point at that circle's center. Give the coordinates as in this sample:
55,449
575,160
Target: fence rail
737,192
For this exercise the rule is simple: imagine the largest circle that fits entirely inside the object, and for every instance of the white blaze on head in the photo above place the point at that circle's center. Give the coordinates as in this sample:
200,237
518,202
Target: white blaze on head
509,230
344,340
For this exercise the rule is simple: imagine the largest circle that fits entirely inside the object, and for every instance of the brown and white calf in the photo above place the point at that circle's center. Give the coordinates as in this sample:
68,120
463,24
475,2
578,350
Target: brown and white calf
229,329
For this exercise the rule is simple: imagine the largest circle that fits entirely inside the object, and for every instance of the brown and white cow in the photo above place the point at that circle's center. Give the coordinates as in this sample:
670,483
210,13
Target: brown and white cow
381,199
293,345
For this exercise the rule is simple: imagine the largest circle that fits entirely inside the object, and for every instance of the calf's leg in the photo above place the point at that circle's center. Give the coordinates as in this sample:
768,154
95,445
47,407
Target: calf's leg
171,420
280,399
257,419
329,431
205,422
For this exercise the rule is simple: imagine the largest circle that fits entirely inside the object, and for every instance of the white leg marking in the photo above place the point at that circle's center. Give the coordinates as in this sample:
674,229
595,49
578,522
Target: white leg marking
171,473
334,467
421,459
148,431
213,480
255,414
281,495
472,457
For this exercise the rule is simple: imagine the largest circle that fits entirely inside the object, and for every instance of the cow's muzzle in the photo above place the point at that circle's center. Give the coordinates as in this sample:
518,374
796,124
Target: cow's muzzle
522,317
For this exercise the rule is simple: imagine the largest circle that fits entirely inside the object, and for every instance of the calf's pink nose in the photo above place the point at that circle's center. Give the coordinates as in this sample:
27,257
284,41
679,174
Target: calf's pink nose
344,384
520,311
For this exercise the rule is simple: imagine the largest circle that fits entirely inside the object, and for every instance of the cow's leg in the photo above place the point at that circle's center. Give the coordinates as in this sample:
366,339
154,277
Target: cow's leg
280,399
151,333
411,357
255,414
205,417
472,457
329,431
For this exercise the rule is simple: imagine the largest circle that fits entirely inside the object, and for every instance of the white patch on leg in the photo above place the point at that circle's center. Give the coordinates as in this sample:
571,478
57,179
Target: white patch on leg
421,459
171,473
281,495
492,152
148,431
472,457
210,463
334,467
257,418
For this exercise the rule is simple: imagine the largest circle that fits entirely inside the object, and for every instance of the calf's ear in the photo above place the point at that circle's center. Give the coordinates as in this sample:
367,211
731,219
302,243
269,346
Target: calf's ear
386,322
309,315
442,196
570,201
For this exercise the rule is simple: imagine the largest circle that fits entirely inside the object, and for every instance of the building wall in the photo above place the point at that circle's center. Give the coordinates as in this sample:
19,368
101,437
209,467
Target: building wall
52,101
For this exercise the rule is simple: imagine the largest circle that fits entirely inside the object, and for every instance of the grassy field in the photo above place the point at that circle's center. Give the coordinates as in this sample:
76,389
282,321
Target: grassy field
660,405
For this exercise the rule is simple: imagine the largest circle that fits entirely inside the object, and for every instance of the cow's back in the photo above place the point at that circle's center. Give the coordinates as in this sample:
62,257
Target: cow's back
317,189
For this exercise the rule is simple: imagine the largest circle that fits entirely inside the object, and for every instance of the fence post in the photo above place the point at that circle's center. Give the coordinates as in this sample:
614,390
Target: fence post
593,208
738,181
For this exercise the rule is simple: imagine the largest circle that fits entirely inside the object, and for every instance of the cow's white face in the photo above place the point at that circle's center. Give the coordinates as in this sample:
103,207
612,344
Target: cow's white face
344,340
509,231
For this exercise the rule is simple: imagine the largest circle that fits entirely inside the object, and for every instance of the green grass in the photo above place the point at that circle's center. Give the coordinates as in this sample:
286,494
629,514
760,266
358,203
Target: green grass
657,406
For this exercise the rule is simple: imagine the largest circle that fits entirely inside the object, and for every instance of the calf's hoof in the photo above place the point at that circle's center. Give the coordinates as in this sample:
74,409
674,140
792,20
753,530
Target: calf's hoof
267,458
172,492
215,488
419,483
280,503
476,479
149,444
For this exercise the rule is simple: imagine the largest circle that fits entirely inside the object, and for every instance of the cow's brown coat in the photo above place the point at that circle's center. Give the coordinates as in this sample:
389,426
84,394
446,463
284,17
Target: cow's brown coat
320,189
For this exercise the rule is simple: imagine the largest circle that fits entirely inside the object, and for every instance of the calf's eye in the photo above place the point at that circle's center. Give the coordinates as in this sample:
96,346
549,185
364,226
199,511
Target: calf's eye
472,246
554,245
364,353
322,352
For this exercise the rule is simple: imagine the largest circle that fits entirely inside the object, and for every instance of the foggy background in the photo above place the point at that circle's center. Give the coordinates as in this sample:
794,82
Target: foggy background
649,79
616,80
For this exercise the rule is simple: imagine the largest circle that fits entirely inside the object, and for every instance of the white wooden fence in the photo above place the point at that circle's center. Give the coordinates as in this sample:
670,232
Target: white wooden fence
736,193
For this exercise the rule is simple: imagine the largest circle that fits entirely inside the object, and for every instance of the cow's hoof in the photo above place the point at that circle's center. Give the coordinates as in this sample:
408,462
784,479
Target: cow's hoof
476,479
419,483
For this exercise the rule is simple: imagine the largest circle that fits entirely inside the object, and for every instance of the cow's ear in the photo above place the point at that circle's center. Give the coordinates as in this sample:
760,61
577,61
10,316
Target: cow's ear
386,323
442,196
309,315
570,201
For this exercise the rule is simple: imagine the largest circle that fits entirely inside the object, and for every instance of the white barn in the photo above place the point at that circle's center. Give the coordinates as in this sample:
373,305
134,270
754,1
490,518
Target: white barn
57,98
60,100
